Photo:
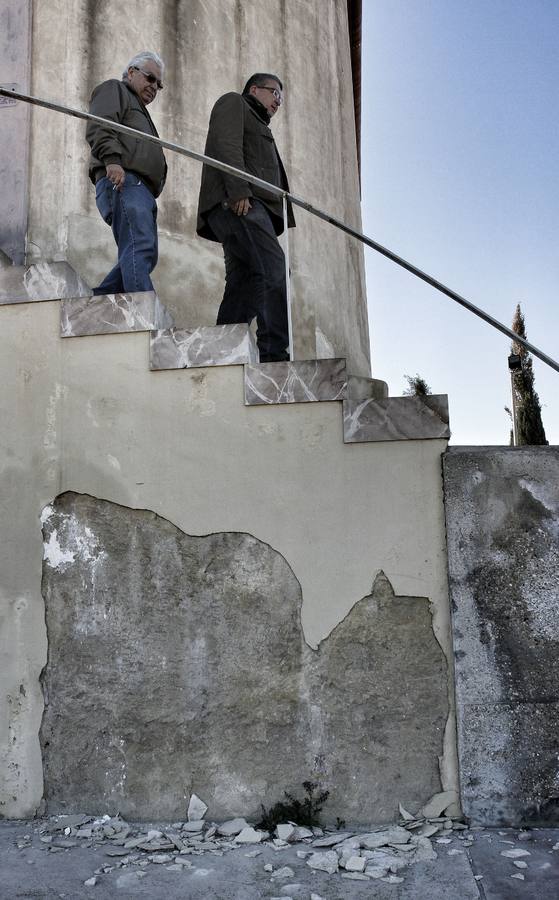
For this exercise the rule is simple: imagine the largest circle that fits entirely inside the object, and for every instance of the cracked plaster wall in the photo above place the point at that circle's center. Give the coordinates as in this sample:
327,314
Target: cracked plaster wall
502,513
210,47
86,415
177,664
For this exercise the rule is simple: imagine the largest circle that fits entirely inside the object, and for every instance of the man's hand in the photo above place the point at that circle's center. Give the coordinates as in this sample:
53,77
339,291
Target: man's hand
116,175
241,207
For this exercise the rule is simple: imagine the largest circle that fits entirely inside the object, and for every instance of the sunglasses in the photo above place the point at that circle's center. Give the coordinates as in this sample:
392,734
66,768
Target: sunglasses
150,78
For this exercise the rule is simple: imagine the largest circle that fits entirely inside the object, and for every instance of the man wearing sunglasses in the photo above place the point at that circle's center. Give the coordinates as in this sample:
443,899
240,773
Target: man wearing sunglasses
247,219
128,173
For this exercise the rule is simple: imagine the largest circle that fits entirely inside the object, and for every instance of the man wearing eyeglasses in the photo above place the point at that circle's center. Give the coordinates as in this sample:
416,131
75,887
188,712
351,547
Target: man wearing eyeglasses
128,173
247,219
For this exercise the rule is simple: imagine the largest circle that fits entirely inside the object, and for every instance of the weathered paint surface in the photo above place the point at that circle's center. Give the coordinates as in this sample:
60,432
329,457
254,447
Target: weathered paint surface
178,664
502,513
210,47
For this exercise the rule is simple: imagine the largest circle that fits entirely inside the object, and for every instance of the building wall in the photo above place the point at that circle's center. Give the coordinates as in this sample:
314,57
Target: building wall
502,515
357,530
210,47
15,65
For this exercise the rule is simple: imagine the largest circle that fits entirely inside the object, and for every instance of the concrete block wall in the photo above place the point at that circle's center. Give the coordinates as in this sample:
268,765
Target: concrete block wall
502,516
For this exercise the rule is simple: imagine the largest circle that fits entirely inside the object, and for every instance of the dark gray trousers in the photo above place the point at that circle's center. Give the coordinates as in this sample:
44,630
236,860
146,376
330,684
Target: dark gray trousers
254,277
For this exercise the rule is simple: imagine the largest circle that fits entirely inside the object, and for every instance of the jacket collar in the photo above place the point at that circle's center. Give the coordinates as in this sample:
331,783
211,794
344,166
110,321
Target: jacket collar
257,107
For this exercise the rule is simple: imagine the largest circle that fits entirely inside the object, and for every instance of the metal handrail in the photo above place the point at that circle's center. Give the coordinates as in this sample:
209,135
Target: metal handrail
297,201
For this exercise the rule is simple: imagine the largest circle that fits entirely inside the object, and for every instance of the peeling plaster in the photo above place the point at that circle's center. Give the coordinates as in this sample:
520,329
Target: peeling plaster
81,540
225,588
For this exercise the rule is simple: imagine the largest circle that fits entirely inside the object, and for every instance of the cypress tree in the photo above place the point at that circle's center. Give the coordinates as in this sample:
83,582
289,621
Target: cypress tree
529,425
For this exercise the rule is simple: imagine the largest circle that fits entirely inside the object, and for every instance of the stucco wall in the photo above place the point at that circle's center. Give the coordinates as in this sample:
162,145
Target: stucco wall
86,415
502,514
209,46
15,65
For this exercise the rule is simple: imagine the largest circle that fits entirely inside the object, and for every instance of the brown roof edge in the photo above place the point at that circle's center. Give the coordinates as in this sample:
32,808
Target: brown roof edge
354,10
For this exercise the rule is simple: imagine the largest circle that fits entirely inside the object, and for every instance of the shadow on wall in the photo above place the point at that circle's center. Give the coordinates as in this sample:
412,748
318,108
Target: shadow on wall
178,664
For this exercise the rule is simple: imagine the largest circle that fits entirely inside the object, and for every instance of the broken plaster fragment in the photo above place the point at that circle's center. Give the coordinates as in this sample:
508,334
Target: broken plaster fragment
193,825
324,862
355,864
330,840
439,803
197,809
250,836
376,839
405,814
376,871
232,827
515,854
284,872
285,831
301,833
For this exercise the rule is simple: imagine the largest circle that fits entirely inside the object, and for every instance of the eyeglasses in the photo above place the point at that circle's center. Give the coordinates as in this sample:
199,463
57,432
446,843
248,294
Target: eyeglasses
150,78
274,91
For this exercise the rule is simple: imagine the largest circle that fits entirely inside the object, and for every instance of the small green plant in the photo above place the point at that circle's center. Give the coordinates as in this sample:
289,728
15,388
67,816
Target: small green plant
302,812
340,823
417,386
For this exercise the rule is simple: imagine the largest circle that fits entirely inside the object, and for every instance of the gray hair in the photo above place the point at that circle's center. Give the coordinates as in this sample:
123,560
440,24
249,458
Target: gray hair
141,59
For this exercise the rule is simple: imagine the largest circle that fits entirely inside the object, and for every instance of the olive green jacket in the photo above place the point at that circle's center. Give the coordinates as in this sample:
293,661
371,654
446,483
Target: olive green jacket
116,101
238,136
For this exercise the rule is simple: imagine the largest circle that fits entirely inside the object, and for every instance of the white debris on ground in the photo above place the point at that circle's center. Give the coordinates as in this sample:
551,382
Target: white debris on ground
381,853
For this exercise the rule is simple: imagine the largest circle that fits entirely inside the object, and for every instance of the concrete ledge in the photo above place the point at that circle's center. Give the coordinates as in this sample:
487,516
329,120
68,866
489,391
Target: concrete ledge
301,381
112,314
208,345
361,388
396,419
43,281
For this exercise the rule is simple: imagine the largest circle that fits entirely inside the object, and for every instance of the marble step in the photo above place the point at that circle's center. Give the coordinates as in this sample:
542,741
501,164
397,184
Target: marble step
112,314
42,281
207,345
300,381
396,419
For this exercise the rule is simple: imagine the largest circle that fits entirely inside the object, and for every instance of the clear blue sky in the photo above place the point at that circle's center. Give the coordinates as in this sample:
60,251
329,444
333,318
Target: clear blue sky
460,175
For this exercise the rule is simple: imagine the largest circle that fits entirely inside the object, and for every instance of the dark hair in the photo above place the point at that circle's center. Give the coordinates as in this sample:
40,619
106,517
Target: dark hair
259,78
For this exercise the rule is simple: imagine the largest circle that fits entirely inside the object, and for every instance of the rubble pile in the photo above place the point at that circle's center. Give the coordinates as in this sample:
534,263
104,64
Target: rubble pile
383,852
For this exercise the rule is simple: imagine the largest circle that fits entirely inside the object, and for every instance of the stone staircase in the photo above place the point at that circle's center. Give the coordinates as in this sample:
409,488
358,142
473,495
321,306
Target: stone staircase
369,414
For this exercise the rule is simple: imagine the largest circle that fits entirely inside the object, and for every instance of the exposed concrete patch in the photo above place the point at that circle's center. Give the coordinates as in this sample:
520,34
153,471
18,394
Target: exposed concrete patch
502,509
380,684
178,664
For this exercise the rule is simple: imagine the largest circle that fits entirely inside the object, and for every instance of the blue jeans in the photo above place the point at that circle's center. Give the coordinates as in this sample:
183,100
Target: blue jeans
132,214
254,277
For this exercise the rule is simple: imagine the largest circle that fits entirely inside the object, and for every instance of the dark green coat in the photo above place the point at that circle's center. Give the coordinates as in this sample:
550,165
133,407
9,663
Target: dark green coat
238,136
116,101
